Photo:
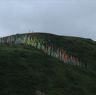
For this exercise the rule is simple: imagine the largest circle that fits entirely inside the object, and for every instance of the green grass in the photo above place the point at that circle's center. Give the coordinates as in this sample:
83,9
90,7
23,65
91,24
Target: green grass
24,70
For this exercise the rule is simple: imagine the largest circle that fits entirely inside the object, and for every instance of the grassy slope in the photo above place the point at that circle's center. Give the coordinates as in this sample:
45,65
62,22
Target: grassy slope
84,49
23,70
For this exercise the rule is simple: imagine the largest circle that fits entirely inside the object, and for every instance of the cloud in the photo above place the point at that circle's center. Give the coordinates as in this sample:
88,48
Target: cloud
64,17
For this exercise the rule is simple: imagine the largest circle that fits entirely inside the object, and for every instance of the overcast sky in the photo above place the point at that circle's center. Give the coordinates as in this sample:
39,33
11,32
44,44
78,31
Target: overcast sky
64,17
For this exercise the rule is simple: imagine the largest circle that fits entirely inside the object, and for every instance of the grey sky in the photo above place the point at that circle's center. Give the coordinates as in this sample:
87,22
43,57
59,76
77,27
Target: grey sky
64,17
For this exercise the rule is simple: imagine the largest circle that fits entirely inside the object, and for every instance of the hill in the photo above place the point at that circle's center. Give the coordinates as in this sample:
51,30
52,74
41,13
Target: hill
25,70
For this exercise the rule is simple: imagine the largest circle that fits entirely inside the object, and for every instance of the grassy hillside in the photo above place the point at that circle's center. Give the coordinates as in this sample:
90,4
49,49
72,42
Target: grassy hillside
84,49
27,71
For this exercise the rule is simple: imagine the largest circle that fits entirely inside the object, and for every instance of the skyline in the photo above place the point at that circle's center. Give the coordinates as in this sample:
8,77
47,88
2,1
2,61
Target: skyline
62,17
